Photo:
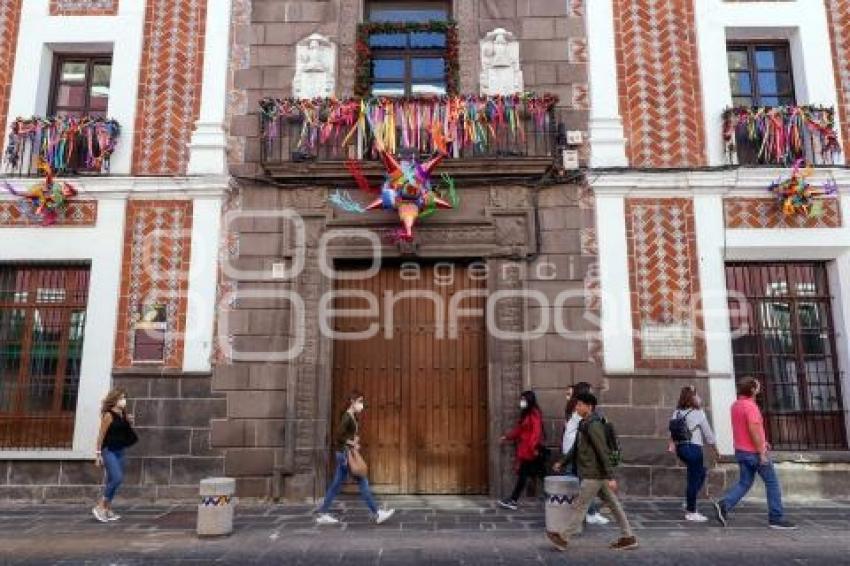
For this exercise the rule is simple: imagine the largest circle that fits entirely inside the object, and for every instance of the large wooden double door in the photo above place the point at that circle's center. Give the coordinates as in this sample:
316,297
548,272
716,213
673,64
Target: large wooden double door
424,429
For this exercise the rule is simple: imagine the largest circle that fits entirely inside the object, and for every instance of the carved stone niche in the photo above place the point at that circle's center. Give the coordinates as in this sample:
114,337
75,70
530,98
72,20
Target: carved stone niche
500,70
315,67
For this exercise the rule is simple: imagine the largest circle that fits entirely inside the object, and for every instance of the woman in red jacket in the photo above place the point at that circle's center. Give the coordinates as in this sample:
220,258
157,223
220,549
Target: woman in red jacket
528,435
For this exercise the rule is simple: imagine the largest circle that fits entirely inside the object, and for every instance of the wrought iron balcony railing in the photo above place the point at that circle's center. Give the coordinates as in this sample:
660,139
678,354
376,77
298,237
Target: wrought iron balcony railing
300,133
70,146
780,136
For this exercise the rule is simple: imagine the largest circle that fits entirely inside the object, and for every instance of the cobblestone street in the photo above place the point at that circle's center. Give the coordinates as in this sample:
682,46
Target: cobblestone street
423,531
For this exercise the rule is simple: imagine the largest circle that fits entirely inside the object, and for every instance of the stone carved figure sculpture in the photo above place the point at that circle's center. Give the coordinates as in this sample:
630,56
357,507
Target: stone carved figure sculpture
315,67
500,69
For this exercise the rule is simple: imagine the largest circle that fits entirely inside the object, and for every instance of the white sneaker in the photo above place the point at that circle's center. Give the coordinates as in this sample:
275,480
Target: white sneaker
325,519
383,515
696,517
99,513
596,519
111,515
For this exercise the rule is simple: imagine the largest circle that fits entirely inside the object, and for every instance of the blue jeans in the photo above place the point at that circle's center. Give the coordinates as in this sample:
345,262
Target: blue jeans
749,466
113,463
336,485
691,455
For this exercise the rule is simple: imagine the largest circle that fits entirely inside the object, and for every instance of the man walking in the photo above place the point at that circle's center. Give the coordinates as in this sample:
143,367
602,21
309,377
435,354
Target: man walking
751,452
597,477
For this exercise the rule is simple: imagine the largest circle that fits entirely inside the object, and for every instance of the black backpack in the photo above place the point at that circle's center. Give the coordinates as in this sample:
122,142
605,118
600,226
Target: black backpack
679,431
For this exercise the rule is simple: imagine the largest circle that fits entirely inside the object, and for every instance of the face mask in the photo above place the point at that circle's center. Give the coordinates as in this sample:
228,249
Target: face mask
121,403
358,406
523,404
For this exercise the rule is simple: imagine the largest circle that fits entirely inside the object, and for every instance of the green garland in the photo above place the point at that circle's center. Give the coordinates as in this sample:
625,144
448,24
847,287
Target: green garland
363,65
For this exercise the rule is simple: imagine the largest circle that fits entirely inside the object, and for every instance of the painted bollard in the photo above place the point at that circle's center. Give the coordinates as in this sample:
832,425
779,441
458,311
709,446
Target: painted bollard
561,491
215,511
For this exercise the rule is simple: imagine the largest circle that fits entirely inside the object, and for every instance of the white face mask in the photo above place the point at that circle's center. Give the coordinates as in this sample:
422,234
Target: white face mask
358,406
523,404
122,403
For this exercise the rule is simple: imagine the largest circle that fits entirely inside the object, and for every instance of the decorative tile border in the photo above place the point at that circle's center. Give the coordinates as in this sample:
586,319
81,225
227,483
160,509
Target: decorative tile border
838,15
79,213
155,270
664,283
765,213
10,20
83,7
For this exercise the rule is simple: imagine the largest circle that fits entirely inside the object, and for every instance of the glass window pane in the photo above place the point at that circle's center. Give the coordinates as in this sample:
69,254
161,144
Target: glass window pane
73,72
428,40
101,74
772,58
434,87
71,95
741,84
431,68
770,101
742,101
388,68
768,83
388,89
394,40
737,59
378,14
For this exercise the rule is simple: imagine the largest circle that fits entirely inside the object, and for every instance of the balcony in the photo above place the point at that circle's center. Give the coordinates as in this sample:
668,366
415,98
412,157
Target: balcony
70,146
314,138
780,136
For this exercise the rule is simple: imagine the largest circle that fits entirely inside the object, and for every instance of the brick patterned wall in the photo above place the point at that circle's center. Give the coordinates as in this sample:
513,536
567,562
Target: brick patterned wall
169,85
155,270
664,283
78,213
10,19
765,213
658,74
83,7
838,14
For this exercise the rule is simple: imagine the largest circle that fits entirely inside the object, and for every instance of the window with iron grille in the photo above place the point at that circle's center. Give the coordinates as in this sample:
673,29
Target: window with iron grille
42,322
783,334
408,63
80,85
760,74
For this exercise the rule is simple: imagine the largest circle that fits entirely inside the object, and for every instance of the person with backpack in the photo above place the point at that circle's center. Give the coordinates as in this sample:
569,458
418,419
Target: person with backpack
528,435
571,422
689,431
114,436
595,462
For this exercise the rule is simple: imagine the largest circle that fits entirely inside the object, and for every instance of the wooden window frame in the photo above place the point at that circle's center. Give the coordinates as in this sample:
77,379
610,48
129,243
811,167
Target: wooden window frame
91,59
751,47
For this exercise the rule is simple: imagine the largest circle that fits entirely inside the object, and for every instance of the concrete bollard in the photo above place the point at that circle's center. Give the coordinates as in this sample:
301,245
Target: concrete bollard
215,511
561,491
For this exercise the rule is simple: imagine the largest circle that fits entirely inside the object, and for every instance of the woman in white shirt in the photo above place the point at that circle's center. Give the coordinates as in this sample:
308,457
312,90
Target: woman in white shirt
571,421
689,431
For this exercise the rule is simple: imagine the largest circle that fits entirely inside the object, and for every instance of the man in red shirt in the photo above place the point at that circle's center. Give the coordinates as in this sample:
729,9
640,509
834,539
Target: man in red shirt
751,452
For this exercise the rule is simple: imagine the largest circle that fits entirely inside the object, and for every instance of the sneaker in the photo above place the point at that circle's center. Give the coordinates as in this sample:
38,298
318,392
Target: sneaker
508,504
111,515
783,525
696,517
99,513
624,543
596,519
720,510
383,515
557,540
325,519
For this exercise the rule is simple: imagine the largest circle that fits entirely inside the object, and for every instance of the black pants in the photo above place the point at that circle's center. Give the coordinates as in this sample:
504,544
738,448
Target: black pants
526,470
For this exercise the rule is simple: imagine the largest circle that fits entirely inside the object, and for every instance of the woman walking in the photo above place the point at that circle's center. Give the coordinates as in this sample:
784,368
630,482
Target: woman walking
348,442
528,435
572,421
689,430
115,435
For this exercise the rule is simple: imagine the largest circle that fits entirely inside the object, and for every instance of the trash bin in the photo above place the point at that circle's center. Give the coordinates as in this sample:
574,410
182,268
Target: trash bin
561,491
215,511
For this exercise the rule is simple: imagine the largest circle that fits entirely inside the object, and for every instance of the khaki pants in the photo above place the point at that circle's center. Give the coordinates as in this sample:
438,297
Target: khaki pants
587,492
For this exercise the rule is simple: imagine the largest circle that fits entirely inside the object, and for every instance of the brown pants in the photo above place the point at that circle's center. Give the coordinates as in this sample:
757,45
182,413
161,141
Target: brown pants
587,492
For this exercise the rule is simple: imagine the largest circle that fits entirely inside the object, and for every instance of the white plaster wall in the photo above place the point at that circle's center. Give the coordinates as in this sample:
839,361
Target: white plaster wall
41,35
802,22
101,245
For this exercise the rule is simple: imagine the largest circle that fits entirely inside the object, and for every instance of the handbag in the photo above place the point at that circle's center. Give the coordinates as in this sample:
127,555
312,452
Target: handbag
356,464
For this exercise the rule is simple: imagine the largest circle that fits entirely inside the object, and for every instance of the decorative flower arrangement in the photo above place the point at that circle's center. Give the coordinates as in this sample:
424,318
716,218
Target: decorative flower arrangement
778,133
45,202
430,124
363,70
64,143
796,195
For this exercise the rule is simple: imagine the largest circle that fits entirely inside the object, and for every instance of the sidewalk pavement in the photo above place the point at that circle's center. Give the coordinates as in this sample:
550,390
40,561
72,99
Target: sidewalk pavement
425,530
